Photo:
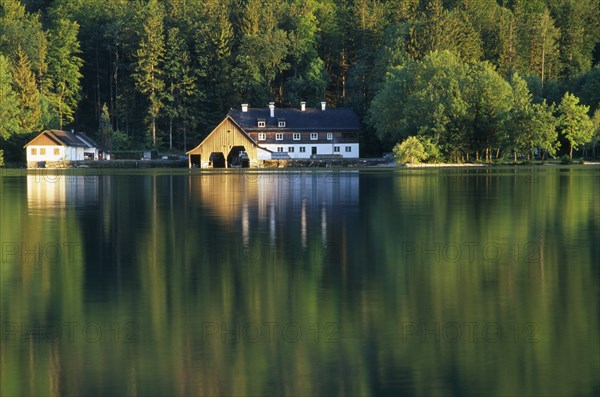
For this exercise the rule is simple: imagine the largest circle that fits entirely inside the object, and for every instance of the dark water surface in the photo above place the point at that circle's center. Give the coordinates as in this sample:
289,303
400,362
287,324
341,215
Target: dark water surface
372,282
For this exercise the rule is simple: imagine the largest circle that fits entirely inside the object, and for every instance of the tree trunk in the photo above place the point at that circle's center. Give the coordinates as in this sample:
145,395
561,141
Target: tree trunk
543,58
154,132
571,151
184,138
515,155
170,132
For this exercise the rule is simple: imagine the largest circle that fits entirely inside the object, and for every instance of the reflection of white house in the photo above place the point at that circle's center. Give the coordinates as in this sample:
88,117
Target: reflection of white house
49,193
55,145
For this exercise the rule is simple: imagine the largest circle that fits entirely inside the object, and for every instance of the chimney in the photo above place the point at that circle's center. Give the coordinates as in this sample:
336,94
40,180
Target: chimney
323,104
244,107
303,106
272,109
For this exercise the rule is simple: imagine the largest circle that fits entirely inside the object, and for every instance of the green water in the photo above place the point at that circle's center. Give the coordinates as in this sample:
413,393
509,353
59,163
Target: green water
372,282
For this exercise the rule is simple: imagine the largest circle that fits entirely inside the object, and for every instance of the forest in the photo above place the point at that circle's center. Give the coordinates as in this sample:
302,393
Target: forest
472,80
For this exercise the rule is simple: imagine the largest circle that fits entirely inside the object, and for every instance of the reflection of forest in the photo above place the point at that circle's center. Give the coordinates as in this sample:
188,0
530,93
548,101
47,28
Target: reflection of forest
164,253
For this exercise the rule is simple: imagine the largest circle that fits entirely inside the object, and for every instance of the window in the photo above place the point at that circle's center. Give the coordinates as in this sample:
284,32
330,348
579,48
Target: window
348,149
281,124
279,136
56,151
296,136
33,151
262,136
314,136
42,151
302,149
336,149
280,148
291,149
261,123
329,136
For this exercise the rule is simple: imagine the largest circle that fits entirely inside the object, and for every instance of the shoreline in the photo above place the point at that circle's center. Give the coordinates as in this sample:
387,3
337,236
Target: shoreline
367,163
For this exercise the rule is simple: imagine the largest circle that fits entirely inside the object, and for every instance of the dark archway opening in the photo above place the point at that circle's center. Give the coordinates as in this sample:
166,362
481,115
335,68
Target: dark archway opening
238,157
216,160
194,161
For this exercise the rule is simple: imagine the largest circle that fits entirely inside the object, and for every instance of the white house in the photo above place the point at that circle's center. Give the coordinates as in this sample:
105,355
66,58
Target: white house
301,133
56,145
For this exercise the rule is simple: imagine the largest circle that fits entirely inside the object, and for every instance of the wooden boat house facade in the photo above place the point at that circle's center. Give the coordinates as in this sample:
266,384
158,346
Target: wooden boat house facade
259,134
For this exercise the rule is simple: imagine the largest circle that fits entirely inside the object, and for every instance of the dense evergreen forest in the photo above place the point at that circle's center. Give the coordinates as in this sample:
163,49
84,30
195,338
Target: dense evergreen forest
473,79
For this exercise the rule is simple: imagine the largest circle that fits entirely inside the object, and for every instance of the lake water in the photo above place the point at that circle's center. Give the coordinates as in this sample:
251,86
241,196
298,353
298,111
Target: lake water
372,282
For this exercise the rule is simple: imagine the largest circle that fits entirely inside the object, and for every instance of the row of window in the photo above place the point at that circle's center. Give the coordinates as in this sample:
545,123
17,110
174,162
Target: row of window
43,151
262,124
302,149
314,136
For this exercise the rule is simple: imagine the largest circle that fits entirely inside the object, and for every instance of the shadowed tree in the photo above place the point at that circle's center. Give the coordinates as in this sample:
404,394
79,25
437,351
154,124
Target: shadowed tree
148,71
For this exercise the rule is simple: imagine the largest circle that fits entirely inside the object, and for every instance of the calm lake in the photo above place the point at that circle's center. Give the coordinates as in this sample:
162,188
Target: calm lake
278,283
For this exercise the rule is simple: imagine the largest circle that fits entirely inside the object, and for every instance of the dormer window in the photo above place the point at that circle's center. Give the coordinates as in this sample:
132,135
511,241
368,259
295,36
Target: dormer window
262,123
281,123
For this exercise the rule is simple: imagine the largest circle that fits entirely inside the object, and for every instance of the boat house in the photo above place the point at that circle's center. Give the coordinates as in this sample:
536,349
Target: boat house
248,136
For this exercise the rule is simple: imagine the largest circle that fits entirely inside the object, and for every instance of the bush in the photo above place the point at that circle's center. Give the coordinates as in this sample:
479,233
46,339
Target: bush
410,151
120,141
432,150
566,159
1,158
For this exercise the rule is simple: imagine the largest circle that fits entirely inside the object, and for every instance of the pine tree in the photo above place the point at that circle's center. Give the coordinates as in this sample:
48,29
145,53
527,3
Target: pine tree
179,79
9,110
28,95
64,65
150,56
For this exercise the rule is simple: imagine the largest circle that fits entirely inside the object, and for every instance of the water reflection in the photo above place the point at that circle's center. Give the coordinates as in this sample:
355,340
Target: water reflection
50,194
277,200
370,283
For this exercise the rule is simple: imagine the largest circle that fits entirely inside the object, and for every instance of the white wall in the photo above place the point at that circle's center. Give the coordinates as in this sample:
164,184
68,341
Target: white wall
322,148
49,156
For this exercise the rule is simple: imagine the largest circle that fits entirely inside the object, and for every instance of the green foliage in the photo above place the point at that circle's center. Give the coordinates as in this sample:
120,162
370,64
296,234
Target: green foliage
106,131
150,57
574,122
411,151
432,150
9,110
566,160
179,66
1,158
120,141
64,65
28,95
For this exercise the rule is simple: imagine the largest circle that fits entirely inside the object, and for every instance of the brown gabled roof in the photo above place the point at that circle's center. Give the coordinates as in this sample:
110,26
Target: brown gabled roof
65,138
